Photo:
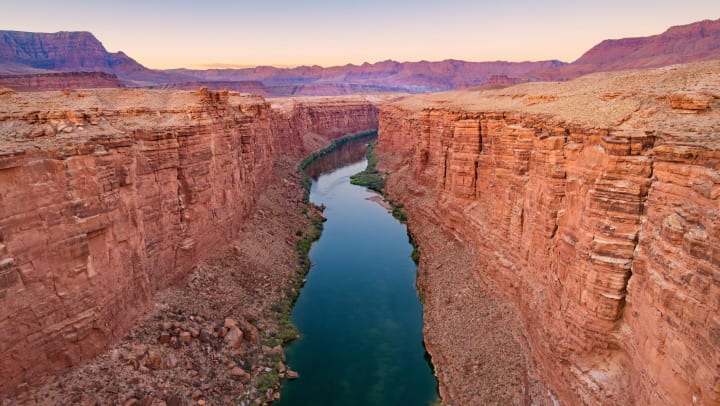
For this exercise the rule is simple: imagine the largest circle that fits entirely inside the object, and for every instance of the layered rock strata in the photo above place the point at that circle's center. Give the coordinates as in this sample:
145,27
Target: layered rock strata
592,207
108,196
24,53
60,81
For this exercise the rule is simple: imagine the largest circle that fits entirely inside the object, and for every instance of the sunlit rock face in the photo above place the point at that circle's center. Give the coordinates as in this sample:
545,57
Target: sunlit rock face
592,206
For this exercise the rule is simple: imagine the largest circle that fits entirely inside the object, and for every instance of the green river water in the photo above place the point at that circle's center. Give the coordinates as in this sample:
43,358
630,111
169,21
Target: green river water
359,315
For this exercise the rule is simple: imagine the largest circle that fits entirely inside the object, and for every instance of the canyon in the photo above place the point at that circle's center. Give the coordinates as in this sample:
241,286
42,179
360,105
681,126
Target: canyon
591,208
109,196
569,232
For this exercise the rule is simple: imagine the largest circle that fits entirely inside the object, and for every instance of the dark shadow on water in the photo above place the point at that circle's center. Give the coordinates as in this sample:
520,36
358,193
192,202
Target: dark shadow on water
345,154
428,360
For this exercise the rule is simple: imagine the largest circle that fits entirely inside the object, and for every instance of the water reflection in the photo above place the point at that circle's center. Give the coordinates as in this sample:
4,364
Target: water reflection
345,154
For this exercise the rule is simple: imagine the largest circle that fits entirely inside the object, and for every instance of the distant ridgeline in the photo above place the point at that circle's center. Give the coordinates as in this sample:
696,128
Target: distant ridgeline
27,53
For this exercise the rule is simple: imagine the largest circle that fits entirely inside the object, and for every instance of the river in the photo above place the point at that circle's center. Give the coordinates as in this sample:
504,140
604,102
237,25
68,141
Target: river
359,314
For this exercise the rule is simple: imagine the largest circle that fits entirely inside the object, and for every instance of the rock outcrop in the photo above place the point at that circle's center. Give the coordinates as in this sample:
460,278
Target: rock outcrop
591,206
107,196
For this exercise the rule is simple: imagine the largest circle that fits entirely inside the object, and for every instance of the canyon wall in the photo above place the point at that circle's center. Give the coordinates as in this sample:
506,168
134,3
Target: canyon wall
593,207
107,196
337,116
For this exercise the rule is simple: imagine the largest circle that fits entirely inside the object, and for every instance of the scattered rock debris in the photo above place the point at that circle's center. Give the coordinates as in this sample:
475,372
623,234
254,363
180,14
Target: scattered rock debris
210,340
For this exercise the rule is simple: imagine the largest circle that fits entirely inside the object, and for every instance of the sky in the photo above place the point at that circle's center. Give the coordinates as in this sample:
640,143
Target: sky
226,33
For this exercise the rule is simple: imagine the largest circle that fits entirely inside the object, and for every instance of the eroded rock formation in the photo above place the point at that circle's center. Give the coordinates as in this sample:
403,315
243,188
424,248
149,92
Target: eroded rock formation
592,206
107,196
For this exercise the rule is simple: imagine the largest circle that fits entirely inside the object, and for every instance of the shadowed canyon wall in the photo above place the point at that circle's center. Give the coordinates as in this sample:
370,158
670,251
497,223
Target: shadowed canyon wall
107,196
592,206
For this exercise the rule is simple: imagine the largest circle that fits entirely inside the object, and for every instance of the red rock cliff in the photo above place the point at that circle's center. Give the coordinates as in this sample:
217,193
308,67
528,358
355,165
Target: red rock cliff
107,196
592,206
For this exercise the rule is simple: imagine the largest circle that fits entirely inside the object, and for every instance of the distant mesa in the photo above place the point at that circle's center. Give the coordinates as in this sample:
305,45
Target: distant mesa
386,76
26,56
35,53
694,42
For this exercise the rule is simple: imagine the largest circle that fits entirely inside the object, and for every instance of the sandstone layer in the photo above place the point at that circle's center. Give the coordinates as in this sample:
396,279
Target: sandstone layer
592,207
60,81
108,196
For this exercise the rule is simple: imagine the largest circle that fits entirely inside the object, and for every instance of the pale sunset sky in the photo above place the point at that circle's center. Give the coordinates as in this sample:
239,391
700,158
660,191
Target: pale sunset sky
217,33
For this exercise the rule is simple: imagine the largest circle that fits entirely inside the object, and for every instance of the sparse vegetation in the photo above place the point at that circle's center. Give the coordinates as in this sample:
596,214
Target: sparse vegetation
398,212
420,292
415,255
306,182
267,381
286,331
370,177
333,146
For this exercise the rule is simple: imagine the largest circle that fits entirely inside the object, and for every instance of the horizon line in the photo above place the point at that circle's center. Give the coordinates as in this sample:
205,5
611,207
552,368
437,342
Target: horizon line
239,66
